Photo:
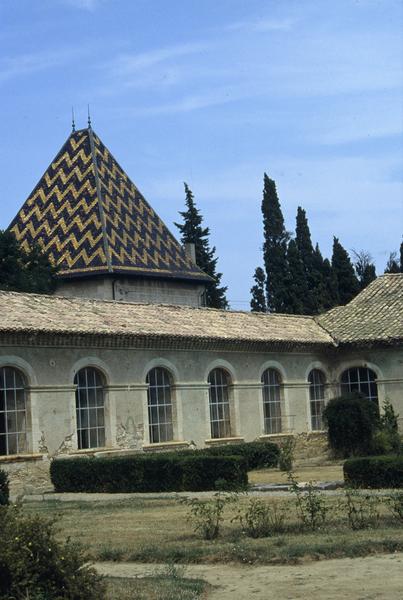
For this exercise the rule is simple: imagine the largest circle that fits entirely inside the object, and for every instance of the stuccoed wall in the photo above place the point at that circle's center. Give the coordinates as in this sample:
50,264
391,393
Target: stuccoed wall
50,375
155,291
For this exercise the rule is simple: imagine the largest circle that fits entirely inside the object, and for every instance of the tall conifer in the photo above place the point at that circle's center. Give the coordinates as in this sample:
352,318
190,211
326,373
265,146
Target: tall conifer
258,302
312,301
193,232
274,248
392,266
296,282
347,282
401,257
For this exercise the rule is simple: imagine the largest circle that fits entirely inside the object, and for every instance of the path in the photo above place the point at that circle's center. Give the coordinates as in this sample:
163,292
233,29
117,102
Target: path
371,578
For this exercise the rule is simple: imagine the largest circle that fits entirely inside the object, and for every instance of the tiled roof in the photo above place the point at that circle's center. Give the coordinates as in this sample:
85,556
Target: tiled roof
375,315
31,313
90,218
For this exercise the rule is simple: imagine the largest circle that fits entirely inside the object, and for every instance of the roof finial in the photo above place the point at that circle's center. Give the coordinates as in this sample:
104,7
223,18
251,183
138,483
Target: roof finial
73,124
89,117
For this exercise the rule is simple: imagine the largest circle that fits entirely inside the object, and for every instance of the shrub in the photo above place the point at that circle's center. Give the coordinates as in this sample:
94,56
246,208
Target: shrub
148,473
34,565
206,516
374,471
394,502
259,455
352,421
286,454
310,504
362,509
4,488
261,519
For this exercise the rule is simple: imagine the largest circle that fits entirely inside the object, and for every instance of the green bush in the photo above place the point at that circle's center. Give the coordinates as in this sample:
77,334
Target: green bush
149,473
34,565
374,471
352,421
259,455
4,489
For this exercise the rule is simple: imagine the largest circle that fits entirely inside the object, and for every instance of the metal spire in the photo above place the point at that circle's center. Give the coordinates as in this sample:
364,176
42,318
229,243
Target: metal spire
89,117
73,124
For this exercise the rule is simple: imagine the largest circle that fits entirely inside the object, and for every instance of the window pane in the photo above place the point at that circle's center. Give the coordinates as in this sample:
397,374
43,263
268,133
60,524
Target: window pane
219,404
90,408
360,379
159,405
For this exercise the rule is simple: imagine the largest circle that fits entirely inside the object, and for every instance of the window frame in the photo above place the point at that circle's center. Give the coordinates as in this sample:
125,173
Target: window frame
20,433
317,398
85,409
220,403
160,431
353,385
272,397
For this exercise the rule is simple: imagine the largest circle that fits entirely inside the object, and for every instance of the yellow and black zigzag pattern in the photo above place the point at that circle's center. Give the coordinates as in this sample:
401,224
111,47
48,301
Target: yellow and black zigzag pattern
90,218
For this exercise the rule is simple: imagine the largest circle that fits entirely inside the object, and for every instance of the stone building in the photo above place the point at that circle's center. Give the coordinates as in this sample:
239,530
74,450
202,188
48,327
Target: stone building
82,374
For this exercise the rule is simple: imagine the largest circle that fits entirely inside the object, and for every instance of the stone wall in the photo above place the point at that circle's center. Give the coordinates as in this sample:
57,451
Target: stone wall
28,476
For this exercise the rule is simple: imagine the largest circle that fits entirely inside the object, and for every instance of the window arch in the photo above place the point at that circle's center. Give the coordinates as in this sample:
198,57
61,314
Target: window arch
220,418
159,405
90,408
317,382
360,379
13,411
271,380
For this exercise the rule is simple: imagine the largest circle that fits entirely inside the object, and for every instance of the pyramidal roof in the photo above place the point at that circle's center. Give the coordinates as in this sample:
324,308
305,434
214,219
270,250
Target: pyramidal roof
90,218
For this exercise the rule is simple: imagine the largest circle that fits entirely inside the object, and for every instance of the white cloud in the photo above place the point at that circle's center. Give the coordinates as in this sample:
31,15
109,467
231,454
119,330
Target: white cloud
25,64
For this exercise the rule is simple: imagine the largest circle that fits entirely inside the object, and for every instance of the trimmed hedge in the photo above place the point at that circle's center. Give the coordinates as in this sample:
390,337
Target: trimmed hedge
155,473
4,489
259,455
374,471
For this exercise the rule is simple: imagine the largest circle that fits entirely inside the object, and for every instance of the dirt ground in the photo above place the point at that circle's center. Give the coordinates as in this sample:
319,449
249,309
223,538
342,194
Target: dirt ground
371,578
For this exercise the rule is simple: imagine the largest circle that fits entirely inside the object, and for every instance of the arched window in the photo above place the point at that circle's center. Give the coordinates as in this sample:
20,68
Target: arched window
13,412
220,419
317,383
90,407
360,379
272,401
159,405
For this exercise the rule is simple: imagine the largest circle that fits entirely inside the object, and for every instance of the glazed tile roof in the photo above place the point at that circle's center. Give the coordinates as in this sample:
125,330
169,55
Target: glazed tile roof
31,313
90,218
375,315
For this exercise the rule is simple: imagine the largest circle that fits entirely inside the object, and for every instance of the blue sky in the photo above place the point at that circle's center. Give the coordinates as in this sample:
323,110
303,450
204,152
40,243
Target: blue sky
215,92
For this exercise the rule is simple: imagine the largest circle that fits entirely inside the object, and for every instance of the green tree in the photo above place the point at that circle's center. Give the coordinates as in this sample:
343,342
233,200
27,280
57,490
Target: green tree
258,302
347,282
401,257
296,283
192,231
364,268
274,248
22,271
393,266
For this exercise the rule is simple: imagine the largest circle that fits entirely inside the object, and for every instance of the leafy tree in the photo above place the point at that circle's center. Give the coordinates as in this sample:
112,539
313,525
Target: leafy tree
258,302
192,231
22,271
274,248
364,268
347,282
392,266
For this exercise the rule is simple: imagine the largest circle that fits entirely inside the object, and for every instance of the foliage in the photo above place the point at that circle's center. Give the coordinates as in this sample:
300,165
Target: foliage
274,248
374,471
206,516
261,519
23,271
352,421
364,268
192,231
347,282
34,565
296,282
310,504
394,501
4,488
259,455
258,302
362,509
387,439
393,265
286,454
152,473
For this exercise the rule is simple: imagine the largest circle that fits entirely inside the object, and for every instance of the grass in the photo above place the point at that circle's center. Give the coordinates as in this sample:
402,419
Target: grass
156,530
331,472
157,587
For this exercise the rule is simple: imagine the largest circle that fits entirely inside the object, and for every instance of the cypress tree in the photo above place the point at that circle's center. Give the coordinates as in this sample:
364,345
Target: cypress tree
22,271
347,283
401,257
364,268
258,301
274,248
325,283
297,288
312,301
192,231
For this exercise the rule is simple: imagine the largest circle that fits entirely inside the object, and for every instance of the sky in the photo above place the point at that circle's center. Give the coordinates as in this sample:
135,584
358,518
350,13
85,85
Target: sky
215,93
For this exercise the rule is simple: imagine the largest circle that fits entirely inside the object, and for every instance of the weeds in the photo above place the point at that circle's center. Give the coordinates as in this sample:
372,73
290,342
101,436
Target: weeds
286,455
261,519
362,509
206,516
310,504
394,502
